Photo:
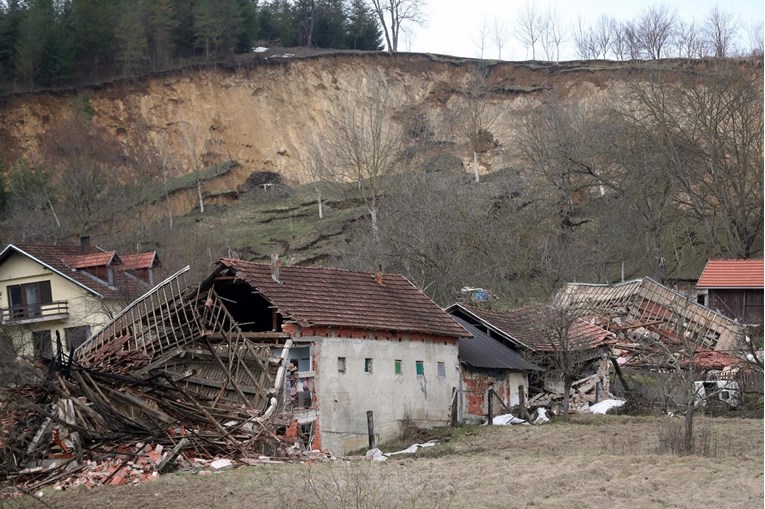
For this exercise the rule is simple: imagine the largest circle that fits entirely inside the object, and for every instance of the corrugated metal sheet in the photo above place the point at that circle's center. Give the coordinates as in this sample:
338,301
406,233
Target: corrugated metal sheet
482,351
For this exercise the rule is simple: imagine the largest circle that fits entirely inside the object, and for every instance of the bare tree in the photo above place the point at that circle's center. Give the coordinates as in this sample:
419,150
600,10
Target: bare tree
499,36
529,28
585,46
553,35
756,39
707,132
394,15
476,116
366,144
316,167
689,41
720,30
629,31
481,37
655,29
603,35
195,141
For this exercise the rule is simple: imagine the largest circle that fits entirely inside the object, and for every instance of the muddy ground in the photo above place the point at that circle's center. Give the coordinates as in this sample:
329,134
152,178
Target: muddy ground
594,461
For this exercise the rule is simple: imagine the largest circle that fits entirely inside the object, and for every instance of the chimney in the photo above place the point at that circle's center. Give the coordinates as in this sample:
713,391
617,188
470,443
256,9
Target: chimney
275,264
379,278
84,243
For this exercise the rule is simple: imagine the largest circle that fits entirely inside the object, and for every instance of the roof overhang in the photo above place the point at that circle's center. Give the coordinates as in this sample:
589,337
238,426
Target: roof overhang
10,249
488,325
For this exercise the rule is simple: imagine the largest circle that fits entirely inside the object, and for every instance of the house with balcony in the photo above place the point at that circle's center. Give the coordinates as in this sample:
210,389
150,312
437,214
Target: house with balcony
64,292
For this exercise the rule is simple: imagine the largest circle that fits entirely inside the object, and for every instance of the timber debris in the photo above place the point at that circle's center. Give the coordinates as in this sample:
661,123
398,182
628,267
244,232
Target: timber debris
170,382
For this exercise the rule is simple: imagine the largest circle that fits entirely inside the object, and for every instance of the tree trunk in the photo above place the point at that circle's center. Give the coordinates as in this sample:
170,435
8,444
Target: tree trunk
566,396
199,194
475,165
318,200
375,227
688,440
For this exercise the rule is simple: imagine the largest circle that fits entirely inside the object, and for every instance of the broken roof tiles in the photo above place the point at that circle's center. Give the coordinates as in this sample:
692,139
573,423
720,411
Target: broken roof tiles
344,298
732,274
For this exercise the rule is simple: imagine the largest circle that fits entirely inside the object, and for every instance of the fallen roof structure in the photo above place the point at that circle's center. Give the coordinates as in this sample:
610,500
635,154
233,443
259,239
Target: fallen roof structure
644,303
172,369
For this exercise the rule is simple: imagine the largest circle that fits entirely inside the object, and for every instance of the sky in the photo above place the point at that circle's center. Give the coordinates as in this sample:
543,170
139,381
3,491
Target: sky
453,26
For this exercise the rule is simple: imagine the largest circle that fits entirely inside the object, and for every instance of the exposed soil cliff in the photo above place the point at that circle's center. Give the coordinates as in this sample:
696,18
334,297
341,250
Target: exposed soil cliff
257,114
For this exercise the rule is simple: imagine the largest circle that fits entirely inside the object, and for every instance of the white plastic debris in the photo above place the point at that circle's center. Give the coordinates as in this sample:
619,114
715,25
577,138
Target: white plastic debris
605,405
221,464
505,419
540,416
413,448
259,49
376,455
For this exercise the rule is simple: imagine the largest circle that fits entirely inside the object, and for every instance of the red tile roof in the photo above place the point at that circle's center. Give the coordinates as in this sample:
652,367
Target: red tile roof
709,359
732,274
138,261
344,298
53,257
531,326
97,259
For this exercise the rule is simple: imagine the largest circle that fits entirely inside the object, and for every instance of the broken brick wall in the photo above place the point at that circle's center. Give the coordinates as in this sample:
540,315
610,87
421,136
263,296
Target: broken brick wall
475,383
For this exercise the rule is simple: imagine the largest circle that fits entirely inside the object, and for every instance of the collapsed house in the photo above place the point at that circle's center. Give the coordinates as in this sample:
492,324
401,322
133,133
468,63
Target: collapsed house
361,342
531,331
662,334
250,361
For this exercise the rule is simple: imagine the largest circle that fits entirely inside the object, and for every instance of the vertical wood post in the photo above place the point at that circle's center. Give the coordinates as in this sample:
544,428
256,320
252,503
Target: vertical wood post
371,429
524,414
454,407
488,401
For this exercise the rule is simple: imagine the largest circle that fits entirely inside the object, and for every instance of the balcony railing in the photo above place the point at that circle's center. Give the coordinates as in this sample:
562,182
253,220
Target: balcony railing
58,310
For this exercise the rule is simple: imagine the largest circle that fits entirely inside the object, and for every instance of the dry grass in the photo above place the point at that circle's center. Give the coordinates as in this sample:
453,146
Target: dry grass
594,461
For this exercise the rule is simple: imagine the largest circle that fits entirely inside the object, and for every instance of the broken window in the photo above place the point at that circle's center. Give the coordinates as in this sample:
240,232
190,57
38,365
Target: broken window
367,365
75,336
397,366
341,364
420,368
441,371
42,344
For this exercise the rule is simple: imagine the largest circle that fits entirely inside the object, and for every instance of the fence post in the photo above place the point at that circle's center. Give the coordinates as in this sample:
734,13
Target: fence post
371,429
522,403
454,407
488,400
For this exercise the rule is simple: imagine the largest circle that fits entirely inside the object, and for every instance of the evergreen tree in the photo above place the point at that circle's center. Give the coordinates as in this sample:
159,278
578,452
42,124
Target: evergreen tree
94,23
363,30
248,26
132,42
331,29
162,23
216,23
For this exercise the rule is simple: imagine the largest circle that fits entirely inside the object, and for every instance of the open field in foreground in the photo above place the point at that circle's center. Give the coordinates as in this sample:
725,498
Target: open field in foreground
594,461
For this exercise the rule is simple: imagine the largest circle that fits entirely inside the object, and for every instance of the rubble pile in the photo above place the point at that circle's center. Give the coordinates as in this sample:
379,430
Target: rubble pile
171,379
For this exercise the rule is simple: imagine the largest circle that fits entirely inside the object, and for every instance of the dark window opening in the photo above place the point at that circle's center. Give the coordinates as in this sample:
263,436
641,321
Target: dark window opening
75,336
26,300
42,344
367,365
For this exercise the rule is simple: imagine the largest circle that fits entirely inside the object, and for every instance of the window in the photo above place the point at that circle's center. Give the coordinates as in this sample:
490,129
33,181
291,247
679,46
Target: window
367,365
42,344
75,336
420,368
341,364
26,300
397,366
441,371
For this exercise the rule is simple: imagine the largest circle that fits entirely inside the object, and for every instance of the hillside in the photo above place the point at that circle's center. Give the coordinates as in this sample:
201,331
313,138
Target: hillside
575,184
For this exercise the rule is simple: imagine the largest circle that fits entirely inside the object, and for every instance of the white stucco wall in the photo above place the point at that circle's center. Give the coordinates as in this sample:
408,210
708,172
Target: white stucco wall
344,398
84,307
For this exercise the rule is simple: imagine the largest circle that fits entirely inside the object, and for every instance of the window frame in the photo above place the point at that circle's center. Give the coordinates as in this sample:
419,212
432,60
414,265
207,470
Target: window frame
419,368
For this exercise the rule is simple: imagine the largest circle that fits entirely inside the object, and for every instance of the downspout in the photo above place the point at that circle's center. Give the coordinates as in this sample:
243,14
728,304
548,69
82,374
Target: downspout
278,383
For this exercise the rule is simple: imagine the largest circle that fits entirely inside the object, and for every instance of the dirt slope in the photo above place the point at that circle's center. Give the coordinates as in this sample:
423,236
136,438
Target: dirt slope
258,112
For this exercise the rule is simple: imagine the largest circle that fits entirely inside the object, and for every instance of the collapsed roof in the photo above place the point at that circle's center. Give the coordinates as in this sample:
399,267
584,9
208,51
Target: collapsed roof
644,303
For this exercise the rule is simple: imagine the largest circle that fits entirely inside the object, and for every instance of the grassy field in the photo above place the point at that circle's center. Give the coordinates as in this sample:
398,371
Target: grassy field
593,461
